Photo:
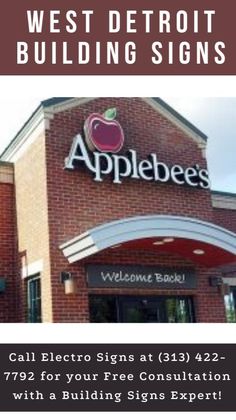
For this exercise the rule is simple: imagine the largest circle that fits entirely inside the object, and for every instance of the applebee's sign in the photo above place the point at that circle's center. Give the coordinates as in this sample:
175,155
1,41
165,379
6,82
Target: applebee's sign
104,138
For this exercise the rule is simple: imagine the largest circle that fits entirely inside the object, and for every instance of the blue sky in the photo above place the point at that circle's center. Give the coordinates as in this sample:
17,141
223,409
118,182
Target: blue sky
216,117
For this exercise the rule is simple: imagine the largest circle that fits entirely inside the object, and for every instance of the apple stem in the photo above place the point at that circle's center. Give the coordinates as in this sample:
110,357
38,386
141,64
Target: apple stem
110,114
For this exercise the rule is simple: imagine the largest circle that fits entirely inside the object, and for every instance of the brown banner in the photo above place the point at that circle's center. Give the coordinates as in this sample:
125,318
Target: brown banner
110,37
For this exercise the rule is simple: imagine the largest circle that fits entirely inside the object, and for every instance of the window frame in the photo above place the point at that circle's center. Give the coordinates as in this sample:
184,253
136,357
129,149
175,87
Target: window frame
34,299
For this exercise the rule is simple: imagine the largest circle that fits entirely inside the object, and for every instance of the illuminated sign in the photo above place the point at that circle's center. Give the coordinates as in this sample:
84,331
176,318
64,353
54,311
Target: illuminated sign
106,135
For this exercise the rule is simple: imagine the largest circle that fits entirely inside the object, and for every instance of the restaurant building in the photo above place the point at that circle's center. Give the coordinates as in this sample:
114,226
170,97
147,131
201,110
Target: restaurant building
107,215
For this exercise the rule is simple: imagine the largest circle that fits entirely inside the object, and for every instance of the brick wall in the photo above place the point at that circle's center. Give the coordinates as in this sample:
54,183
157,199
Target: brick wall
208,301
90,203
32,219
225,218
9,300
77,203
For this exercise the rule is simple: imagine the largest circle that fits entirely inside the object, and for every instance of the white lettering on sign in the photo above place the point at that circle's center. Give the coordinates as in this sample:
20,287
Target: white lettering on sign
124,277
120,276
120,167
170,278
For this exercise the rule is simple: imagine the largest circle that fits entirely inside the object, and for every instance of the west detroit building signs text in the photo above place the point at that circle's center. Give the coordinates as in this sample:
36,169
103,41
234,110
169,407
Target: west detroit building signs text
113,37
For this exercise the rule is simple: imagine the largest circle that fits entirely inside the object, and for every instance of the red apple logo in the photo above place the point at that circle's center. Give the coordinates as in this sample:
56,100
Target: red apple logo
103,132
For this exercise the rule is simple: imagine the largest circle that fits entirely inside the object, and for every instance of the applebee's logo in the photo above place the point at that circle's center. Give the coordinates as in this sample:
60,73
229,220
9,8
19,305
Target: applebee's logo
104,132
104,137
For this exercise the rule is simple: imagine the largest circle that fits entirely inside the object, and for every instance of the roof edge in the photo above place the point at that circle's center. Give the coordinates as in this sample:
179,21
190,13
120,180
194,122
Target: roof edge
223,200
6,152
223,193
181,118
48,107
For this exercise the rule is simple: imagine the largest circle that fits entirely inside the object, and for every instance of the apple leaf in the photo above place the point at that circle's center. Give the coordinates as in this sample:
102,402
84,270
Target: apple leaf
110,114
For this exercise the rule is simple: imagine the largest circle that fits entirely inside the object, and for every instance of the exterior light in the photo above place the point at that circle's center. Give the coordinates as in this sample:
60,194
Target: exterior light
218,282
168,240
158,243
199,252
69,283
215,281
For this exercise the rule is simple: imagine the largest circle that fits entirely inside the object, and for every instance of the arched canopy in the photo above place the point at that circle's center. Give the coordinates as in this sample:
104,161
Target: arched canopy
123,231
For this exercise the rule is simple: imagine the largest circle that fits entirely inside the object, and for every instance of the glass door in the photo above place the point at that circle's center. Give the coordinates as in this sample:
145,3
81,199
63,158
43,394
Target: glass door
144,309
179,309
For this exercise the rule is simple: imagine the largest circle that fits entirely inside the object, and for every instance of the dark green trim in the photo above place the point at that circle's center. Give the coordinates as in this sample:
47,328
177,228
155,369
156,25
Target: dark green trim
43,105
224,193
54,101
9,164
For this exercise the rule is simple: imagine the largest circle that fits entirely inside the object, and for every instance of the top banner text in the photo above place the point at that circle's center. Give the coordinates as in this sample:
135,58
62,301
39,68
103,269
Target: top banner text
134,38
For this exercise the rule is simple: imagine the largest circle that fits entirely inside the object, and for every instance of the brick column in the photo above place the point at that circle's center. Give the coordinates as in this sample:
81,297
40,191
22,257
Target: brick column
209,302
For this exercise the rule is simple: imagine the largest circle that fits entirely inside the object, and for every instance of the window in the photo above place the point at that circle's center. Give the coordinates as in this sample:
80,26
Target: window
230,305
34,299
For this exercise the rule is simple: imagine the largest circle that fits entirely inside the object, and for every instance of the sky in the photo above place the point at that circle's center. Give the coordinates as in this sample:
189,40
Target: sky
216,117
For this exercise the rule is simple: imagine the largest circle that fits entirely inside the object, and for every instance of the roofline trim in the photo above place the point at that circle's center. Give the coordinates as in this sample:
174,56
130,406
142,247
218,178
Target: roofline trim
70,103
179,121
6,173
30,130
157,103
181,118
224,201
40,118
223,193
37,123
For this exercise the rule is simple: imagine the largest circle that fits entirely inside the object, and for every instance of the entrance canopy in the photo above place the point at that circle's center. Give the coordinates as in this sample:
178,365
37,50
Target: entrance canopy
197,240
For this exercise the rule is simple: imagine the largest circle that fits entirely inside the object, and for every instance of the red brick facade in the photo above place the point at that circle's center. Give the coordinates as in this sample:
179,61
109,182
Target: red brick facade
55,205
225,218
9,299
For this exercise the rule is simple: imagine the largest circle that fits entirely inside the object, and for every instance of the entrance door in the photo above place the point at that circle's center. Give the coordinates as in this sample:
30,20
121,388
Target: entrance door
145,309
135,309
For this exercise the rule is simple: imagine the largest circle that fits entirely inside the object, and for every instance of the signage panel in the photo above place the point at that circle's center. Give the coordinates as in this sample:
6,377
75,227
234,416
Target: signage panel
137,276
